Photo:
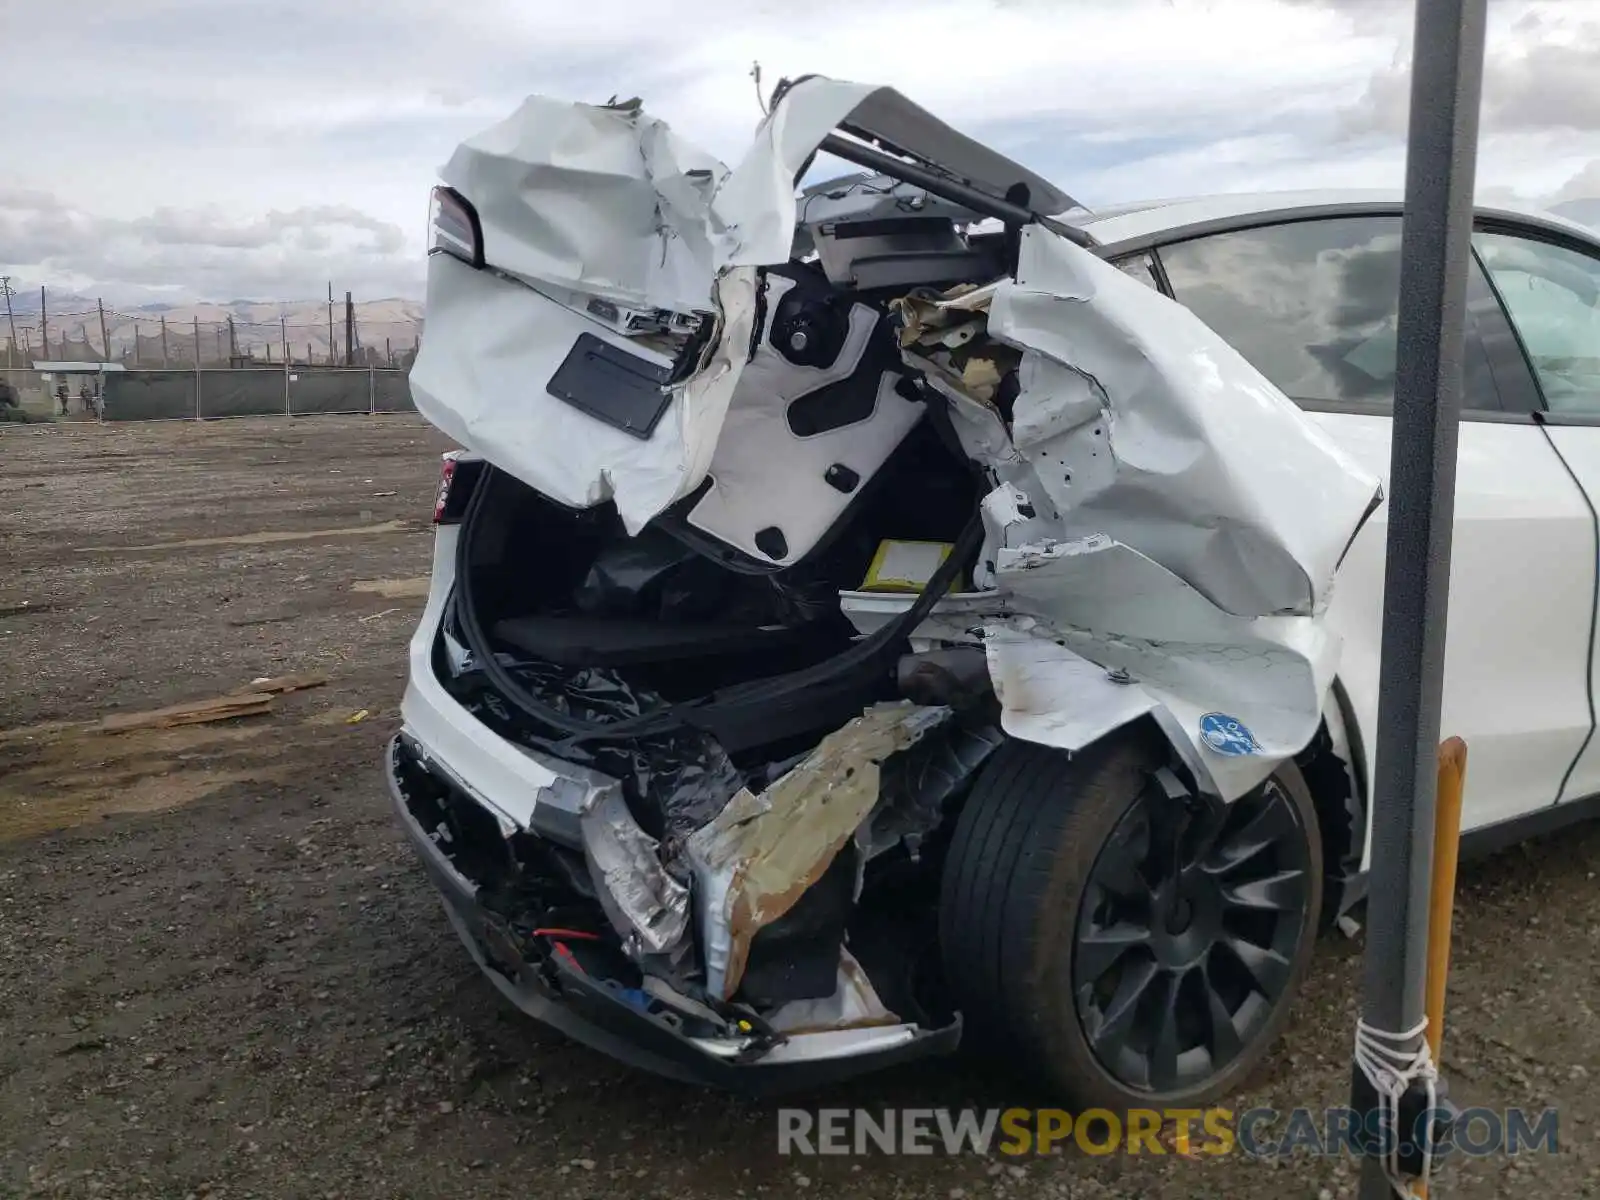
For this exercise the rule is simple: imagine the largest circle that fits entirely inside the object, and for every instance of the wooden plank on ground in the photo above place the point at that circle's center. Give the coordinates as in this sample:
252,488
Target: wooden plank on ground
193,712
279,684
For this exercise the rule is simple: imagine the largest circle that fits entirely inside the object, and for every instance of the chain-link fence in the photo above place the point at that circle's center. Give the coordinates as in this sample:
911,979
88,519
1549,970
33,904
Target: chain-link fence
378,333
207,393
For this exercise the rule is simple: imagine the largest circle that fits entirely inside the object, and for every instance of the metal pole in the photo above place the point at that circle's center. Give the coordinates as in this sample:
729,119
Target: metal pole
163,341
349,332
11,320
44,324
197,368
331,358
1441,161
372,390
105,338
283,335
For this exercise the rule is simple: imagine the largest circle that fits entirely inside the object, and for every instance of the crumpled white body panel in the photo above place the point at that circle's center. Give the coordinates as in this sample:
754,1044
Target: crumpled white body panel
581,201
1162,511
1143,424
1186,523
593,199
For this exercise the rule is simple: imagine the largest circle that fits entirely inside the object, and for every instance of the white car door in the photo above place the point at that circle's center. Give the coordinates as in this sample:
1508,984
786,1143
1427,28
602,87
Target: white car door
1313,304
1550,285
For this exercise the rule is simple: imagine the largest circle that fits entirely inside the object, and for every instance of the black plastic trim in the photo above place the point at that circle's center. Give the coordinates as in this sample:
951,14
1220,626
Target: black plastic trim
611,385
477,259
1488,839
1484,415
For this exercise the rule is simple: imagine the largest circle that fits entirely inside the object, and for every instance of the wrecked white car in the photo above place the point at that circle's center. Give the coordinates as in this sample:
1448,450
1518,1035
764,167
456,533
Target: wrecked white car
863,619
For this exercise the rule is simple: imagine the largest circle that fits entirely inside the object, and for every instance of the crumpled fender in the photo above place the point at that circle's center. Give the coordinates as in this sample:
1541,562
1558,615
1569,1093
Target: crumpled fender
1169,530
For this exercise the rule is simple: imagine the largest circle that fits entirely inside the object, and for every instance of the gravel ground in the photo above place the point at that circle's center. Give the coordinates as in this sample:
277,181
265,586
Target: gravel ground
222,975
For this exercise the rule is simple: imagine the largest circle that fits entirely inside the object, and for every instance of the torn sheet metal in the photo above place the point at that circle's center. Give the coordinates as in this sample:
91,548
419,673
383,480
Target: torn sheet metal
755,860
754,211
1123,636
854,1005
590,206
649,908
597,199
492,346
1144,425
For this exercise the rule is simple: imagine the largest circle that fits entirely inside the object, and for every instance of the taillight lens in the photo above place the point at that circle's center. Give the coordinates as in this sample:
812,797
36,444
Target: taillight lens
454,227
447,475
457,477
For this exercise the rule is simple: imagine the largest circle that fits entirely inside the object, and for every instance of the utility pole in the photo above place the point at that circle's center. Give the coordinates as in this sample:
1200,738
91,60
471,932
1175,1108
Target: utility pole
197,343
163,341
331,342
388,353
44,324
233,343
1435,257
11,319
349,332
105,340
136,343
283,335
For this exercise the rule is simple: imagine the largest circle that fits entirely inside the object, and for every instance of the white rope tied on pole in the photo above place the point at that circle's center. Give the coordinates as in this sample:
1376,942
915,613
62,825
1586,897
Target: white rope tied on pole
1392,1062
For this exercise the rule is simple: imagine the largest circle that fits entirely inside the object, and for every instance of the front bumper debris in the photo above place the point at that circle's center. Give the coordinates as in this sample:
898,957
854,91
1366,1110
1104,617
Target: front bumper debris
610,1018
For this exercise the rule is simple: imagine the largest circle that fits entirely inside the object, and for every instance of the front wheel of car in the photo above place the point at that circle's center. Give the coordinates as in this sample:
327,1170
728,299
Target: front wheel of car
1135,947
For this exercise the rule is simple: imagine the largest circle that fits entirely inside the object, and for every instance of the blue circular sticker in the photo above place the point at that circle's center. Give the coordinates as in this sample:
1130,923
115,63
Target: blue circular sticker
1227,735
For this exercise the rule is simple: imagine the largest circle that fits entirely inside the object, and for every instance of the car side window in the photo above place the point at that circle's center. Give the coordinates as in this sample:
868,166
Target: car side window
1141,268
1313,305
1553,296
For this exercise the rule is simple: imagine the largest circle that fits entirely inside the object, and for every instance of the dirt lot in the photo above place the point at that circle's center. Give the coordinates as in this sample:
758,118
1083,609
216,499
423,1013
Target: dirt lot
220,974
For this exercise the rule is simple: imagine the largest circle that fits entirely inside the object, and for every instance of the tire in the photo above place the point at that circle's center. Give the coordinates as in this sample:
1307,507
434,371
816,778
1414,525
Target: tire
1035,889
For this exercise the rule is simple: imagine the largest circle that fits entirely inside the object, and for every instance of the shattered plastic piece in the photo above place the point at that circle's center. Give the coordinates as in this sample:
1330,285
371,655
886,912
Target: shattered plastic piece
854,1005
646,905
684,775
663,991
955,675
754,861
915,785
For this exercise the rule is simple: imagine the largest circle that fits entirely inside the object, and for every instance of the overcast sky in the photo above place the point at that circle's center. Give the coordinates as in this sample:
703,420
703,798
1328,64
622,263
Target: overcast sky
221,149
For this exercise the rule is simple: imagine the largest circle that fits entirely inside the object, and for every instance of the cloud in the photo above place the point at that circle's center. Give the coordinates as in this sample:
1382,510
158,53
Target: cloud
1541,73
217,254
218,148
1585,185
